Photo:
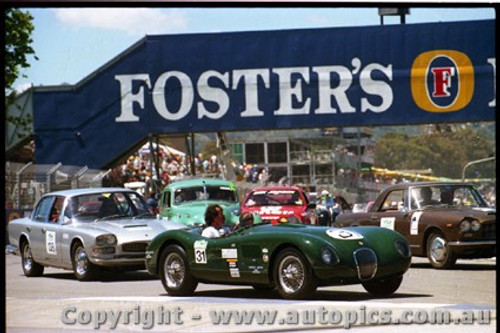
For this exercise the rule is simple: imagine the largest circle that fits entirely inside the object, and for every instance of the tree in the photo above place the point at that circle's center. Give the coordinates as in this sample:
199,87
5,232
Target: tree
446,153
18,40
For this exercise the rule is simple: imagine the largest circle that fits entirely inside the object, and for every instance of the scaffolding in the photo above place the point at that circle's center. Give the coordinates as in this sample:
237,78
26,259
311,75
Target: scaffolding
26,183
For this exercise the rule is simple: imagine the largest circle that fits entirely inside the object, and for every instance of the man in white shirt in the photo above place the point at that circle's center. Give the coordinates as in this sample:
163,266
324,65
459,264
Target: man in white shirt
214,219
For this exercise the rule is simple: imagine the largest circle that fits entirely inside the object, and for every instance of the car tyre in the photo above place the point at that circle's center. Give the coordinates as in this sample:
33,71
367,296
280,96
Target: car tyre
293,275
175,273
383,287
83,269
30,267
439,252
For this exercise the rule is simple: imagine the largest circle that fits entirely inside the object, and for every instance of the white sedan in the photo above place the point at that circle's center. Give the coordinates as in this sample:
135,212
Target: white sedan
84,230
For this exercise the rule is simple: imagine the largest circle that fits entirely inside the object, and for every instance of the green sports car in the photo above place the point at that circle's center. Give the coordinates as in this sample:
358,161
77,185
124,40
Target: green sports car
293,258
185,201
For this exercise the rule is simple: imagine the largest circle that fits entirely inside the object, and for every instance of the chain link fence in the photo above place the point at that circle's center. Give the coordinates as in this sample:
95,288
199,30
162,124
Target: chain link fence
26,183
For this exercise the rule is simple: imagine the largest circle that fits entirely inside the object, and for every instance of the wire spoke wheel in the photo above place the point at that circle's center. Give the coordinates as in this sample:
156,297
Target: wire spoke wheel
174,270
175,273
293,275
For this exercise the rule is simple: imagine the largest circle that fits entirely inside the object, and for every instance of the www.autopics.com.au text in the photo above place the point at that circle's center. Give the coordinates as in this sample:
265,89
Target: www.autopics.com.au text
148,318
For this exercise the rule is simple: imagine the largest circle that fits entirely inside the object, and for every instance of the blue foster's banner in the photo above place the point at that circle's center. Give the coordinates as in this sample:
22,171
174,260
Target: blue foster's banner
310,78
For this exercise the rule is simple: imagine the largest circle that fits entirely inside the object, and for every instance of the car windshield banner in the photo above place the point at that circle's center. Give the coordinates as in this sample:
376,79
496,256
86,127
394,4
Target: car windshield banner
308,78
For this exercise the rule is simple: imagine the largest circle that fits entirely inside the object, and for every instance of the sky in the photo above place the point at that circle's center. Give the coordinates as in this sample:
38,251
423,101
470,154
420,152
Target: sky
71,43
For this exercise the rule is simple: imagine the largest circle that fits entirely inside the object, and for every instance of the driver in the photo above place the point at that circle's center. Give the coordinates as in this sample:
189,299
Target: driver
426,197
246,219
214,219
56,210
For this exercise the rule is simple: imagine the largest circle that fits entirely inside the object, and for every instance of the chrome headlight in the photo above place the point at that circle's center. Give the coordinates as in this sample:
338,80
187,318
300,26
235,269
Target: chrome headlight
475,225
106,240
328,256
464,226
403,248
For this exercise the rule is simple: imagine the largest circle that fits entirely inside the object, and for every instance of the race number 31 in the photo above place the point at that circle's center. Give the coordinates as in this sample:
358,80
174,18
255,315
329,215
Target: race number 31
200,252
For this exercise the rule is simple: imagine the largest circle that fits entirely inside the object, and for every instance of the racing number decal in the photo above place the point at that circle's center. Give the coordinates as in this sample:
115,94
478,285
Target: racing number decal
50,242
343,234
200,252
387,222
414,223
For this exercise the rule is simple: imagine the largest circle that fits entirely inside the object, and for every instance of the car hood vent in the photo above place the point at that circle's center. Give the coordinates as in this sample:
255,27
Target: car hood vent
135,226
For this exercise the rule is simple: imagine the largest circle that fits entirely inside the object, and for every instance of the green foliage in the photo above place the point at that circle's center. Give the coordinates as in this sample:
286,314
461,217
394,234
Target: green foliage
446,153
18,30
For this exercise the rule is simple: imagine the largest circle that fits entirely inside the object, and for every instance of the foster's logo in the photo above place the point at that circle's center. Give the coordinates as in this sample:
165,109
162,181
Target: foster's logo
442,81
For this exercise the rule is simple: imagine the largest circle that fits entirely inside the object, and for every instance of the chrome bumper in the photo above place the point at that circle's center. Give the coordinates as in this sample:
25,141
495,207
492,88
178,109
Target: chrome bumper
111,262
473,243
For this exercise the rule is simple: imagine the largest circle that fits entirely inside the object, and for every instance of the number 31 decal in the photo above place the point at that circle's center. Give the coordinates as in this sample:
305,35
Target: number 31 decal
200,252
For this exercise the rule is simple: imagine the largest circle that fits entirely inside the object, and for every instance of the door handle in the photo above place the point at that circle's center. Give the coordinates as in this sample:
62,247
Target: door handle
43,230
28,229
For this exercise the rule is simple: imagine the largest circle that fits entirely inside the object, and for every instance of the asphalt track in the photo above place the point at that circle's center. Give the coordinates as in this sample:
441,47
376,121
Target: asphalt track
57,302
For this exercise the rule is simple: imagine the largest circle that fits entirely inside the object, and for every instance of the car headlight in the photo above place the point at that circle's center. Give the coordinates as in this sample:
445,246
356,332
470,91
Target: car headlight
106,240
464,226
328,256
403,248
475,225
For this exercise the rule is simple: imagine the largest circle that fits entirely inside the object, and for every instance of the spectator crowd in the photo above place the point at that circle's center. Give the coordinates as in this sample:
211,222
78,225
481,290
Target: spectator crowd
139,167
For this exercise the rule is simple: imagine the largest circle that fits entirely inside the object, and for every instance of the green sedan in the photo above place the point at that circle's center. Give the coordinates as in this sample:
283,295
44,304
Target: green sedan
185,201
294,259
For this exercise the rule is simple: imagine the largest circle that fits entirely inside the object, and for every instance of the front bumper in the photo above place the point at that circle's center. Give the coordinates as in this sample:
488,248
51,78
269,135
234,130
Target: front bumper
474,249
118,261
486,243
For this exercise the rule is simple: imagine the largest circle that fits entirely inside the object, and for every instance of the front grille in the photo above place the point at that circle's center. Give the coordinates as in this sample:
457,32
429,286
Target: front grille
489,230
366,262
135,247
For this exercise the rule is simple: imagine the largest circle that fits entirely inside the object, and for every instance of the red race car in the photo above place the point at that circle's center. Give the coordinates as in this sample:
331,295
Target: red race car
280,204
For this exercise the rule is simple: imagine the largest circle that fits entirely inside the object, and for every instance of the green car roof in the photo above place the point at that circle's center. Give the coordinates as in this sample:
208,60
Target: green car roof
199,182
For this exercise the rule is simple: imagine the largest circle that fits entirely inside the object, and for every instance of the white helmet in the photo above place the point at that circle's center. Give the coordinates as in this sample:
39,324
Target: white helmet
325,192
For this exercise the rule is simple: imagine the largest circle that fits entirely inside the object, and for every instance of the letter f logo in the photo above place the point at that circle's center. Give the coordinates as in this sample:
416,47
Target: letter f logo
442,81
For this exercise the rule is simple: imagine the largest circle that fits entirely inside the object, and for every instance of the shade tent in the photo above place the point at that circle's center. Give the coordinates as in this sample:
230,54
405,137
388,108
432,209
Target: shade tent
146,149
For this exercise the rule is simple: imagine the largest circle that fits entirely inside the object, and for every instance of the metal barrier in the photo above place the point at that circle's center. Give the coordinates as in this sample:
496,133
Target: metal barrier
26,183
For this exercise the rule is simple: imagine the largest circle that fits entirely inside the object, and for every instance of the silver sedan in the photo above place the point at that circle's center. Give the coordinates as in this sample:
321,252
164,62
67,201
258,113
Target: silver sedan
85,230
